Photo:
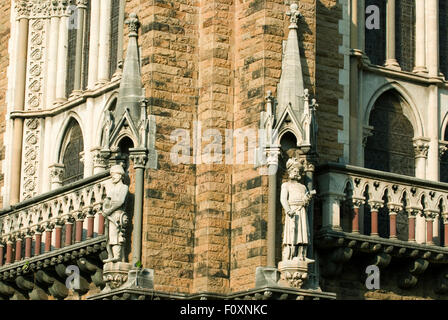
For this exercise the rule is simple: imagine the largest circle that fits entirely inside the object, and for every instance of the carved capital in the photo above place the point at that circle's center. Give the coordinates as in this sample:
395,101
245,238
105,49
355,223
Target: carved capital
367,132
421,147
272,155
22,8
133,25
443,148
394,208
56,175
294,15
100,160
412,212
430,215
357,202
375,205
138,157
115,274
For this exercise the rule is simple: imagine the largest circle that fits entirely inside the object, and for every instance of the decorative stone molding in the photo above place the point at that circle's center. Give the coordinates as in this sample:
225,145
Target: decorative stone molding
40,8
22,9
115,275
293,274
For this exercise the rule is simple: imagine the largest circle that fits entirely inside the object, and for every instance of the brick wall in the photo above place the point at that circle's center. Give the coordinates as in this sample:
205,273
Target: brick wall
213,62
169,47
328,90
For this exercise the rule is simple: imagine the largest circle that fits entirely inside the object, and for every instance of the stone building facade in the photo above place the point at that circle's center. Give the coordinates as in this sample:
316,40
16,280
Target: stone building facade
155,85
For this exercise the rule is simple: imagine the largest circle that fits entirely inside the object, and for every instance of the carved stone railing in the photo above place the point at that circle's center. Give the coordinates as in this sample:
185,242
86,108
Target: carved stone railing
382,204
55,229
385,217
57,219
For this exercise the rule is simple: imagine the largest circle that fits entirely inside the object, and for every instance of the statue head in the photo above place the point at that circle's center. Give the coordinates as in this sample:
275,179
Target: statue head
295,168
117,173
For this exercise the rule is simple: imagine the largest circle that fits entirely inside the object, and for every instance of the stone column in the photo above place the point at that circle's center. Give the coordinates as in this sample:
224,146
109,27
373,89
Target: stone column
272,162
411,225
48,236
9,251
355,219
391,61
80,32
420,39
355,57
104,48
2,252
19,99
79,227
37,242
94,42
19,241
374,207
98,210
139,158
62,55
393,212
445,230
58,236
90,223
432,36
68,232
331,211
28,242
429,227
433,154
52,60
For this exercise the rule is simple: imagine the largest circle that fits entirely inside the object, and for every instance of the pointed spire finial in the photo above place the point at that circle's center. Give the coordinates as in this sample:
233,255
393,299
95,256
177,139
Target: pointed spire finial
133,24
294,15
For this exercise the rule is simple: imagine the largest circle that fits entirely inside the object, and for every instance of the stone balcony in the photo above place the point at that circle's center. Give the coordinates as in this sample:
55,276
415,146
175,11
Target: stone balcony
41,236
385,218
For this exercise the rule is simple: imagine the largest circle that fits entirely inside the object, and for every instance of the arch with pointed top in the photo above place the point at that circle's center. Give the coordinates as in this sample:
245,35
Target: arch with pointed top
110,102
62,133
410,109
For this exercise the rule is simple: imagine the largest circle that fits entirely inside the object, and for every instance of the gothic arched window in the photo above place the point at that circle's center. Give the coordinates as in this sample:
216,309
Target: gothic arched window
390,148
444,161
72,146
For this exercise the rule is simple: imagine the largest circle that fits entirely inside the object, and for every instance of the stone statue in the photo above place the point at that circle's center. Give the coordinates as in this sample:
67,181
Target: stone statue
295,198
114,211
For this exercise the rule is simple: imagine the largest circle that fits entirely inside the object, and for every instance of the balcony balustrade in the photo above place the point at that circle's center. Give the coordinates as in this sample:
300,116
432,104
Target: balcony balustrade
382,215
386,205
53,230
